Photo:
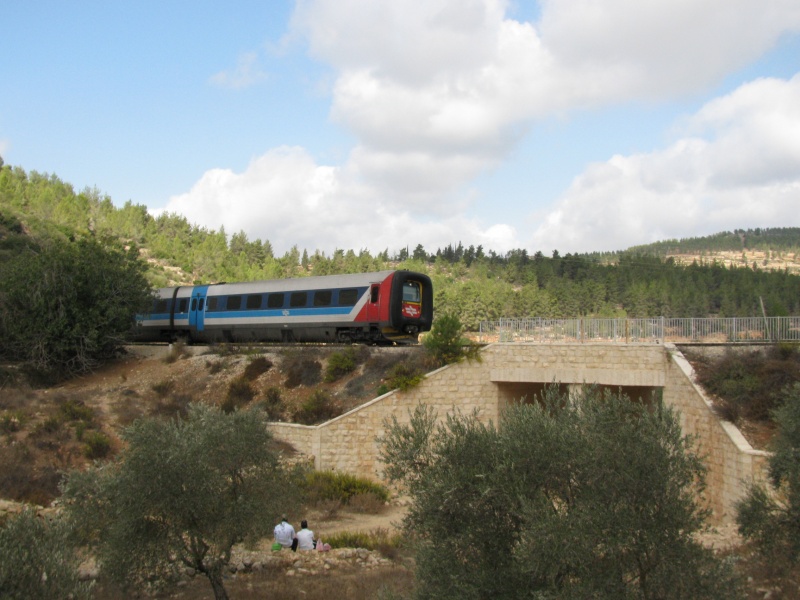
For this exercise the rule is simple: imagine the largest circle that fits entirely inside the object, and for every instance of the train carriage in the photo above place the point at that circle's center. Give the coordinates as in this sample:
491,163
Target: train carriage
382,307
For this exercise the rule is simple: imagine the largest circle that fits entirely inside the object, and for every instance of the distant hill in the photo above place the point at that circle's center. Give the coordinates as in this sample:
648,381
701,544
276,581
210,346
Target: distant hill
769,248
774,248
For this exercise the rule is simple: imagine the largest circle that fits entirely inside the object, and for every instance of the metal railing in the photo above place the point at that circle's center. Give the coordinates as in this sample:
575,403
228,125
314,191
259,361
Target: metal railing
728,330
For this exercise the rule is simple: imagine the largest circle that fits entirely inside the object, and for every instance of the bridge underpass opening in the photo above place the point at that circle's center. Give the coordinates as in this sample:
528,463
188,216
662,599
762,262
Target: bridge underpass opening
525,392
645,394
529,392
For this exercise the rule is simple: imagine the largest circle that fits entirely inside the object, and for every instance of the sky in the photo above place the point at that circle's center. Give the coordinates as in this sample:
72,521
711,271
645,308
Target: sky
569,125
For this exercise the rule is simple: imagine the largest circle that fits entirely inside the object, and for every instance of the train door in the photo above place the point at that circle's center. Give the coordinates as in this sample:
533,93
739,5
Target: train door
374,303
197,309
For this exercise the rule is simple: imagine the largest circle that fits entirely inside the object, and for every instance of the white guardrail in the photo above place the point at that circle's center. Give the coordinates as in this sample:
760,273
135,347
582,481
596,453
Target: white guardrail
644,331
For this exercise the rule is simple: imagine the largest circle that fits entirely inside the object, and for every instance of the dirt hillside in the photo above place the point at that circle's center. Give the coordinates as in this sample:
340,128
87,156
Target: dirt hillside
50,430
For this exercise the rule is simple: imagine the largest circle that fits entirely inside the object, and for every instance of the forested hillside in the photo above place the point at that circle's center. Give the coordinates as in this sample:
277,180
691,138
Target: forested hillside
475,283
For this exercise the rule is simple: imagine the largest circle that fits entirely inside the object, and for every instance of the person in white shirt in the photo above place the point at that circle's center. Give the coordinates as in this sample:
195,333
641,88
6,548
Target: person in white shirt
285,535
305,537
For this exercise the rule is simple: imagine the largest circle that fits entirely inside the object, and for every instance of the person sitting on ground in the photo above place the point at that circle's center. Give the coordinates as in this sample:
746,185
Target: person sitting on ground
285,535
305,537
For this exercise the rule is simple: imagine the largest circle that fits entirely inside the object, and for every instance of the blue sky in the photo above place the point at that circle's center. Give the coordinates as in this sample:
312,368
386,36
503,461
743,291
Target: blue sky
576,125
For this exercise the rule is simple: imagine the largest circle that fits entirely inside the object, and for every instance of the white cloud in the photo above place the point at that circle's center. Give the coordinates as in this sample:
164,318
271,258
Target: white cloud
652,48
246,73
286,198
739,166
438,91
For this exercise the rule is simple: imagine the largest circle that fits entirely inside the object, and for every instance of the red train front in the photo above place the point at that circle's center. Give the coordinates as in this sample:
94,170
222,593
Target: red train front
408,310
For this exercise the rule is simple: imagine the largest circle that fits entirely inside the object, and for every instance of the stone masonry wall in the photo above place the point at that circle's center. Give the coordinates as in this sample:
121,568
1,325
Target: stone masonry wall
731,461
349,443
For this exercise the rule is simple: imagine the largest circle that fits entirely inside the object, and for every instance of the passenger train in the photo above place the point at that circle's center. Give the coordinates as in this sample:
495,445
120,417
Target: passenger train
374,308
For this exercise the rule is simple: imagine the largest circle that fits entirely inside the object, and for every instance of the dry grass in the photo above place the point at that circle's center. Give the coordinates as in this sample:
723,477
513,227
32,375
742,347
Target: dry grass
176,352
328,508
366,502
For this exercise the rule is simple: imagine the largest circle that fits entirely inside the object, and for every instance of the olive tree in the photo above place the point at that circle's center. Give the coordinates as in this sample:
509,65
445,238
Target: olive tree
771,517
586,497
69,304
180,495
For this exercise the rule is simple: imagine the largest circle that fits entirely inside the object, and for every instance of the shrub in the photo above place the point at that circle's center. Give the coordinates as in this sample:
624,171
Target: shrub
340,364
162,388
21,481
256,367
128,409
748,384
272,404
301,370
333,485
785,351
379,539
240,392
356,387
770,518
49,425
11,421
317,408
37,560
76,410
176,405
402,376
96,445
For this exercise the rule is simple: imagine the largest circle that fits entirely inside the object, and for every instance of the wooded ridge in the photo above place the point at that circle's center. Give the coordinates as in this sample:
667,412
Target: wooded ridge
726,274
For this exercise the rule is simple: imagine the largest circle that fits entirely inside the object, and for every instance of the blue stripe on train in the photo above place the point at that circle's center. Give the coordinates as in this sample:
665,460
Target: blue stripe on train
237,314
282,312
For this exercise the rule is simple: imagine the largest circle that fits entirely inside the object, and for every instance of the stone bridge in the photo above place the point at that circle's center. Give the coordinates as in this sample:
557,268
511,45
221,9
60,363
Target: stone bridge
509,373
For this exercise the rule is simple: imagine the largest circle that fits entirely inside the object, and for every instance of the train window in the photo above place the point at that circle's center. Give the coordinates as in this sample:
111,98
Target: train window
275,301
297,299
194,304
322,298
200,305
411,291
161,306
374,293
234,303
254,301
212,303
348,297
182,305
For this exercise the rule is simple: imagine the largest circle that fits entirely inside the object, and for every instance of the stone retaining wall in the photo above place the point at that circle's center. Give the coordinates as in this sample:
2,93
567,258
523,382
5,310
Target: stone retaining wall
732,462
507,372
